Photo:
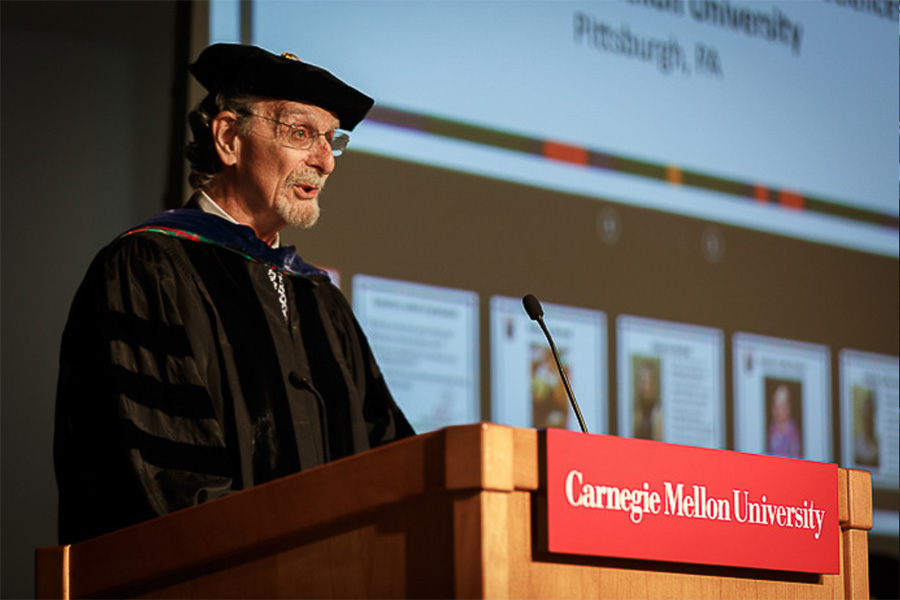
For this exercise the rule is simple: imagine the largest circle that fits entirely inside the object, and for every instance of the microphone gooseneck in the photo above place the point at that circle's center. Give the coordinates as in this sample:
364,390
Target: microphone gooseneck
536,313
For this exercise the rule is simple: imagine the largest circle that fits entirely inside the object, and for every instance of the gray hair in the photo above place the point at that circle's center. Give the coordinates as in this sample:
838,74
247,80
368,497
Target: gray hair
201,153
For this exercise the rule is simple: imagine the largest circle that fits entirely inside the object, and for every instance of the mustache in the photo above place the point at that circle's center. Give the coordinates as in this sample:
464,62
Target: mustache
310,177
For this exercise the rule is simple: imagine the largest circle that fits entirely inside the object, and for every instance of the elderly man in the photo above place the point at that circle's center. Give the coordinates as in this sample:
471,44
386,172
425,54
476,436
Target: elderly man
200,356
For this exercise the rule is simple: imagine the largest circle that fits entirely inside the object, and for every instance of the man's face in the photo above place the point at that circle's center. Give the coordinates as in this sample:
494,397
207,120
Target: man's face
274,178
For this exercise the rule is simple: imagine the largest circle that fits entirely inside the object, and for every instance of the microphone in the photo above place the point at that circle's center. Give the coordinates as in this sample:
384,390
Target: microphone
536,313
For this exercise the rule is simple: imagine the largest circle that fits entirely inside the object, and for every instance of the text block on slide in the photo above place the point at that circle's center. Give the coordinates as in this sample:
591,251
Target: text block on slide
425,339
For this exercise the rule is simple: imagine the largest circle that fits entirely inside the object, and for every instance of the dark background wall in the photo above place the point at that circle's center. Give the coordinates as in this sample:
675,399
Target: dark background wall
87,103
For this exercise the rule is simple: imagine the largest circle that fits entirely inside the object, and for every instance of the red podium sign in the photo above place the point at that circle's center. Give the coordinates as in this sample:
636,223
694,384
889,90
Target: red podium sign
628,498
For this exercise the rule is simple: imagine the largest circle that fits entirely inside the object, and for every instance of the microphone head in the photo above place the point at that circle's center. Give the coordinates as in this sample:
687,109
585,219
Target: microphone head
532,307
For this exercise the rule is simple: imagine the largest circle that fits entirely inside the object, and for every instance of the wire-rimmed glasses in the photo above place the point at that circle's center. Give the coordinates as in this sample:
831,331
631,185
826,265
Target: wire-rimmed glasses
302,137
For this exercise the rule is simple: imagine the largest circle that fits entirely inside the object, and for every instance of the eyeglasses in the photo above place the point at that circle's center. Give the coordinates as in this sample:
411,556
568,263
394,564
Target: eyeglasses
302,137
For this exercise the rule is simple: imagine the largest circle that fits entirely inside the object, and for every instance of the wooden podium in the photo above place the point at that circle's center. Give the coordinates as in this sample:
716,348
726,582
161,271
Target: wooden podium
447,514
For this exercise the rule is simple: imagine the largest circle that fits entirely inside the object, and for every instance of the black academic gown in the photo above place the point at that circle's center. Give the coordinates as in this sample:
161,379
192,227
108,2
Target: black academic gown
181,381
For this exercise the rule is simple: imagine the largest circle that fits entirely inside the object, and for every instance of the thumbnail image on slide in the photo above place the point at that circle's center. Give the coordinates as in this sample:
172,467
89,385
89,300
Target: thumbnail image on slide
648,423
526,387
782,397
865,436
426,341
549,402
870,438
784,417
670,382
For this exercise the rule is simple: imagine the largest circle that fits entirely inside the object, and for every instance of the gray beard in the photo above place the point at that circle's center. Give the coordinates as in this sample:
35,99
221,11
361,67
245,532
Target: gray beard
299,214
303,213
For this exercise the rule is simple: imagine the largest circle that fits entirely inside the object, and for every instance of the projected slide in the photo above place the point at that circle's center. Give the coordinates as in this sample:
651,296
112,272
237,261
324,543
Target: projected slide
526,388
696,108
425,339
782,397
869,408
670,382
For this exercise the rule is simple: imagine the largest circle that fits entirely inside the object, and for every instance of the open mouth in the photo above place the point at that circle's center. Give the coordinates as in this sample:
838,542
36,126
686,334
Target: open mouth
306,190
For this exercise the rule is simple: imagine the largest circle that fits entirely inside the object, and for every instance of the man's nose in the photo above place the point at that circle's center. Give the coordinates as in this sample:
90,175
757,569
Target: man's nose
320,155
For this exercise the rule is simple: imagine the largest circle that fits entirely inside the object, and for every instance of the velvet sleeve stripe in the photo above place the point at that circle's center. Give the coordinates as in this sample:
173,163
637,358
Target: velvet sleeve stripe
167,454
153,335
180,400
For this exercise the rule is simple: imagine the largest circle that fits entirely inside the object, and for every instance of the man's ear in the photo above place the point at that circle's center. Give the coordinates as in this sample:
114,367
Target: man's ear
224,131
